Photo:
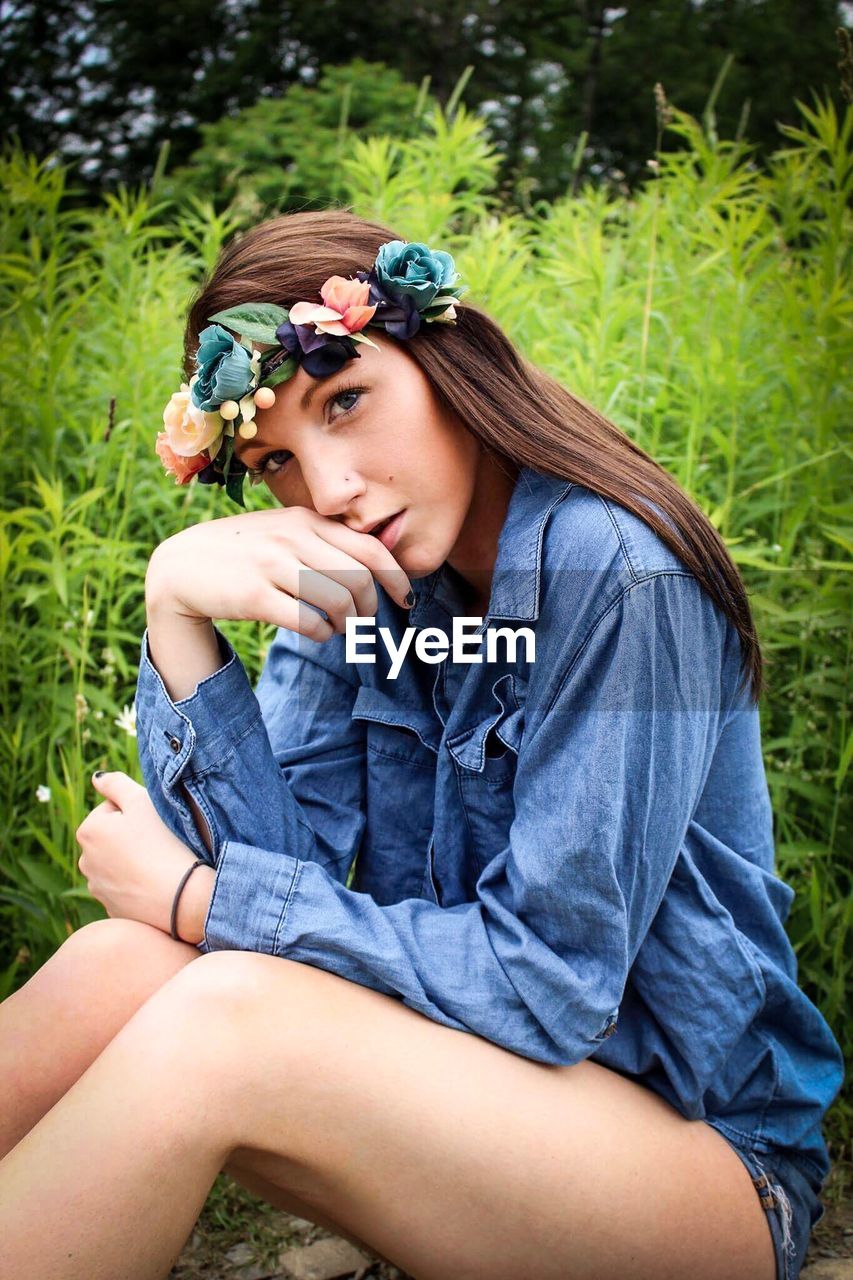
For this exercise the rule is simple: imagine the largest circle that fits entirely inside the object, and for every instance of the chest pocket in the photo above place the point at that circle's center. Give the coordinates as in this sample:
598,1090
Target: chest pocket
399,732
402,751
485,759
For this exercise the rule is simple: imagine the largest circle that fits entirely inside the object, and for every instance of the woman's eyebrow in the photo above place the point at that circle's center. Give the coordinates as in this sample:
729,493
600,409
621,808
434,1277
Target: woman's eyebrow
308,396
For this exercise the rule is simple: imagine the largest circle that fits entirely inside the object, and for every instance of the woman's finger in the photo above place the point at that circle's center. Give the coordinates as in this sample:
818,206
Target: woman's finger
283,610
369,551
349,586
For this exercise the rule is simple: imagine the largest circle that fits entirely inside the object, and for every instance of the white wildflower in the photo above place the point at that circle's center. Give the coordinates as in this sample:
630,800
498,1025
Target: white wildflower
107,656
43,794
90,617
81,707
126,719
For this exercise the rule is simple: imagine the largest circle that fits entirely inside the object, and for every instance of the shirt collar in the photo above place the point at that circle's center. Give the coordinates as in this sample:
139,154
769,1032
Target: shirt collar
518,564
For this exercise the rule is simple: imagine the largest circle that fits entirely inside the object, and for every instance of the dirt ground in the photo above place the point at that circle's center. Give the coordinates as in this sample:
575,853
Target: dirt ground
239,1237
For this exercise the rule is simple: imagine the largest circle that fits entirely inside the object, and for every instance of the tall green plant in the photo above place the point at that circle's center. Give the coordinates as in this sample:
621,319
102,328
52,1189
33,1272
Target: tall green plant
289,151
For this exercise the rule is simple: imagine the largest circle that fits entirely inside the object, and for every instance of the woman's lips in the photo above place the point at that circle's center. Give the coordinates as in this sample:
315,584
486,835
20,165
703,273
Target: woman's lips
391,531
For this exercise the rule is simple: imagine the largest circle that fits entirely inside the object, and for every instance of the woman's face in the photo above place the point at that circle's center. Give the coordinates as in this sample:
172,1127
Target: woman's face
369,442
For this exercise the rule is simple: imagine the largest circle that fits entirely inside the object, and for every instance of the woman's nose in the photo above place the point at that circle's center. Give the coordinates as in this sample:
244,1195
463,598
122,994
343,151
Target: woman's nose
332,492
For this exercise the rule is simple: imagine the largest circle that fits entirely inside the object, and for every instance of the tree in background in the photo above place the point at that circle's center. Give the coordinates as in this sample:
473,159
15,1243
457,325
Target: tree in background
565,85
781,49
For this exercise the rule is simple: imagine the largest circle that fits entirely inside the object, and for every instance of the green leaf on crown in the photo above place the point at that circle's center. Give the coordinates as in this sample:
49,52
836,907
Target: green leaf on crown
234,488
255,320
233,473
283,373
440,304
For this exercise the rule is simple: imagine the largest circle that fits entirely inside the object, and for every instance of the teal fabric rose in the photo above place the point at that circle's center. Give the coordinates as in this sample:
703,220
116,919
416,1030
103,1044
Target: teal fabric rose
224,369
415,271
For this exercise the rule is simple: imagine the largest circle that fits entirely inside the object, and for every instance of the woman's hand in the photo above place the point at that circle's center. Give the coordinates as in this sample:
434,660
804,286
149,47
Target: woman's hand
133,862
268,566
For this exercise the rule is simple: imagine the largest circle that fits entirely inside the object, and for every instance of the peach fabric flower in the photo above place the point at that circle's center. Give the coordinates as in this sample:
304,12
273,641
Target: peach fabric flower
189,429
183,469
344,311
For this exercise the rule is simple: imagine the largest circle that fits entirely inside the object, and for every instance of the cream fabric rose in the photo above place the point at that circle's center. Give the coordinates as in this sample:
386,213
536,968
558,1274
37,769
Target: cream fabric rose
188,429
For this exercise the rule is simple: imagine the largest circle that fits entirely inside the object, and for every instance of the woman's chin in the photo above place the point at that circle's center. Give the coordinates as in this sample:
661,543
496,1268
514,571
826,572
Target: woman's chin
417,562
417,556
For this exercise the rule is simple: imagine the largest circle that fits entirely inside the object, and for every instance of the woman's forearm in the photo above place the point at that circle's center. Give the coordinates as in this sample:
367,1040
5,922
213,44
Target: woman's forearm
184,650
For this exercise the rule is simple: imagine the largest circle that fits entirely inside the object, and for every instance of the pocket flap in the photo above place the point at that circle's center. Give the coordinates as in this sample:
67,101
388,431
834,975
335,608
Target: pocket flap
468,748
374,704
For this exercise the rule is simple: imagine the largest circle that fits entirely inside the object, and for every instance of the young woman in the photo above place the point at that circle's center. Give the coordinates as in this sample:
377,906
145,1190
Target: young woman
481,962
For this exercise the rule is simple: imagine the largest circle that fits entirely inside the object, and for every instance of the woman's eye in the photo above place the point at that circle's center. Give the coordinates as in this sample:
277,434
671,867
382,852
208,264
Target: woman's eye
262,469
345,395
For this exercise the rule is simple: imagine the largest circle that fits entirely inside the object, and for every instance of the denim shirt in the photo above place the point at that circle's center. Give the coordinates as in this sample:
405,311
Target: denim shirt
568,854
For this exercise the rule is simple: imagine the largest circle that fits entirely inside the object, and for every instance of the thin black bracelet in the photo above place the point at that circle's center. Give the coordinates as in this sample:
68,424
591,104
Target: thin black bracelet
184,878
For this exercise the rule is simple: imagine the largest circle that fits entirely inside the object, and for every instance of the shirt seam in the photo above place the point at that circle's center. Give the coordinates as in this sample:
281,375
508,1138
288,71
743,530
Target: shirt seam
201,801
540,539
223,853
621,540
472,843
649,577
147,661
388,755
287,901
376,718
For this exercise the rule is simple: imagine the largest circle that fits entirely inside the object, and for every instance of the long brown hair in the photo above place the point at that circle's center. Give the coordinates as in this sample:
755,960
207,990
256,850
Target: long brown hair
516,410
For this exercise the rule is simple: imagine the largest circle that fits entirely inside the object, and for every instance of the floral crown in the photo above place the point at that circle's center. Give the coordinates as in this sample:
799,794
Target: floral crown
408,284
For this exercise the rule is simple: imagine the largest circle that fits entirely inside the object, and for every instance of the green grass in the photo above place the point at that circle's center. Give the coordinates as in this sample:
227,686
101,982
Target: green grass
708,314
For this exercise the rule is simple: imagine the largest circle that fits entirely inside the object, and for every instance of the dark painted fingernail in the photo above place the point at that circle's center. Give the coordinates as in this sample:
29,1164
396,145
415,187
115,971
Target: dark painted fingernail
410,598
98,773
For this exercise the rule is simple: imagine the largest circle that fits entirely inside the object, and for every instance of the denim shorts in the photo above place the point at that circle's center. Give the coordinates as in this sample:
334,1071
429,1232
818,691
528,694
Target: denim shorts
789,1191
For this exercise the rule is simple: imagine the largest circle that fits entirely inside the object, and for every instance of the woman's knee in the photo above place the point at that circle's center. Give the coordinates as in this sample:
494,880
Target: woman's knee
128,944
225,1010
79,999
116,963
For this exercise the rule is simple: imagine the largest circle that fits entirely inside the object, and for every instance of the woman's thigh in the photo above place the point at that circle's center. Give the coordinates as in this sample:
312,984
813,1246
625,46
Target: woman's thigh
451,1156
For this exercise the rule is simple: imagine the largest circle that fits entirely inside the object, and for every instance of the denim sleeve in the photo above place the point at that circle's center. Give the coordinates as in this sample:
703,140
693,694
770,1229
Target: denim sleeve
620,730
258,762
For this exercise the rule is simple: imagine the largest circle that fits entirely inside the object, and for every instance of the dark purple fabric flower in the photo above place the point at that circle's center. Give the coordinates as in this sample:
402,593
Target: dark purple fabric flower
320,354
398,314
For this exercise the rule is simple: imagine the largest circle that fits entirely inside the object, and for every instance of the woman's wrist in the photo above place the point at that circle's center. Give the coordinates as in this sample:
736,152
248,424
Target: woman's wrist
184,650
193,905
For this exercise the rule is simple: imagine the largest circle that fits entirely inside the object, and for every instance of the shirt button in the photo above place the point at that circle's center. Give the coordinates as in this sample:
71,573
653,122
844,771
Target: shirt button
175,744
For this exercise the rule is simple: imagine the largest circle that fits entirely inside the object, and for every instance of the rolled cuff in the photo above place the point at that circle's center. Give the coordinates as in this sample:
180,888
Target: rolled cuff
198,732
251,896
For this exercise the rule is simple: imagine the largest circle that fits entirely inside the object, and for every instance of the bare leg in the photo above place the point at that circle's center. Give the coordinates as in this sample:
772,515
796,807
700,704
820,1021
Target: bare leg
55,1026
60,1020
110,1181
451,1155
